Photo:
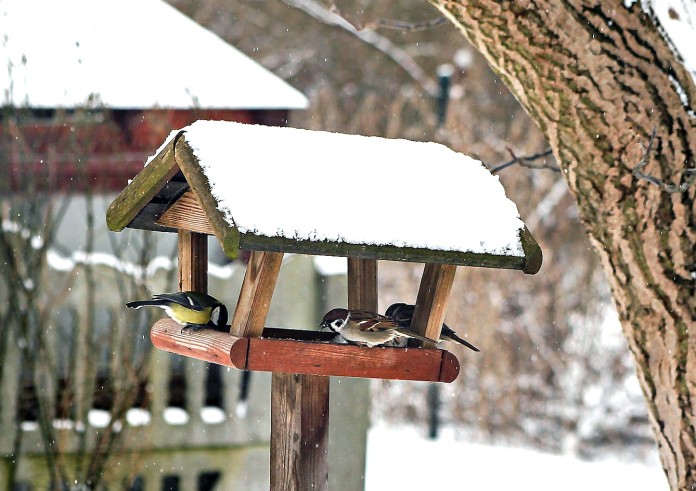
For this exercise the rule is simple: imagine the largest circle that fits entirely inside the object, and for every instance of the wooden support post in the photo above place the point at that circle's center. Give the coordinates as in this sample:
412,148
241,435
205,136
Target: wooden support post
193,261
431,303
257,291
362,284
299,432
299,403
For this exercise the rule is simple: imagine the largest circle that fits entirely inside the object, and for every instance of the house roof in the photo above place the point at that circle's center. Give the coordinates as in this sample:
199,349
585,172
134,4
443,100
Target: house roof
315,192
126,54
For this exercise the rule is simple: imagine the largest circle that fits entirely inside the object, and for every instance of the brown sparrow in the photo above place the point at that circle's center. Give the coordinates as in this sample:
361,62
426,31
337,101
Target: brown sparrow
403,315
366,328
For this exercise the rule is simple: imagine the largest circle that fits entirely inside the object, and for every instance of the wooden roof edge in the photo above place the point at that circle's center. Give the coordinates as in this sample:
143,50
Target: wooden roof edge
227,234
144,186
249,241
532,252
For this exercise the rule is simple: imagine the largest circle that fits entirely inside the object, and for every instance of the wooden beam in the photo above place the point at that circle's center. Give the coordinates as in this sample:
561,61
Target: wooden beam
288,355
346,360
193,261
255,296
299,432
186,214
205,344
362,284
249,241
431,302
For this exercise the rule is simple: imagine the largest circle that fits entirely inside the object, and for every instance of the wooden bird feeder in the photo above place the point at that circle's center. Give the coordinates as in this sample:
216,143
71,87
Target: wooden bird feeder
274,190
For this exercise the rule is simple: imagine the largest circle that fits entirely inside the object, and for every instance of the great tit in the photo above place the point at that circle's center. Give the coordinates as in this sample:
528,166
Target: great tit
193,310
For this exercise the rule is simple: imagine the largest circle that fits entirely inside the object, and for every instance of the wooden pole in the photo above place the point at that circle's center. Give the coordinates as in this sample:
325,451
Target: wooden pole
299,432
193,261
300,405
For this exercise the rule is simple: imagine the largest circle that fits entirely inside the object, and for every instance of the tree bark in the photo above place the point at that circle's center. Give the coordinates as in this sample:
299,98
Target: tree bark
598,78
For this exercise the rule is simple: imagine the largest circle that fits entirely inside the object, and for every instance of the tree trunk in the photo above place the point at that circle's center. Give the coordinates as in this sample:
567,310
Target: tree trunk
598,78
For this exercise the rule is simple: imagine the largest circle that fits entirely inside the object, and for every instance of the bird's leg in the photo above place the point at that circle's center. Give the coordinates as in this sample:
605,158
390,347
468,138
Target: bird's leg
192,328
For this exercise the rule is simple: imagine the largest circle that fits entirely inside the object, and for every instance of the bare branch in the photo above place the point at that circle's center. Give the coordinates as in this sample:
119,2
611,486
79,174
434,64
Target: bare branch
407,26
527,161
398,25
377,41
668,188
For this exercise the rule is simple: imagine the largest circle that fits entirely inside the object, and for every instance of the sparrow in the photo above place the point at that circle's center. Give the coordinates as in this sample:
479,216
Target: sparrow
402,314
193,310
366,328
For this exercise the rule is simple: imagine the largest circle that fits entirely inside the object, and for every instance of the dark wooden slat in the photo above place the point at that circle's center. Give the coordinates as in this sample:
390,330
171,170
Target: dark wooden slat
255,296
193,261
311,358
147,217
143,188
431,302
299,432
297,334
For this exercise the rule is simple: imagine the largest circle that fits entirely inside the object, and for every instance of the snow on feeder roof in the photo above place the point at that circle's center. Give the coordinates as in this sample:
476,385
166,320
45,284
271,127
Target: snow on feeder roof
126,54
315,192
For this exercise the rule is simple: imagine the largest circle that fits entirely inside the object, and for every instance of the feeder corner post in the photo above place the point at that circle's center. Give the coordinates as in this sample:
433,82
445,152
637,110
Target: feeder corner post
193,261
362,284
431,302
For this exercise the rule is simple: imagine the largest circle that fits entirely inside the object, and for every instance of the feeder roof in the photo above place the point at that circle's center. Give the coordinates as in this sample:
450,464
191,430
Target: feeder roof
315,192
126,54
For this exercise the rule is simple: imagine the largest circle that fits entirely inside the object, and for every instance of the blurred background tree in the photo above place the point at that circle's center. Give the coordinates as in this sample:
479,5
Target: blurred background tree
76,355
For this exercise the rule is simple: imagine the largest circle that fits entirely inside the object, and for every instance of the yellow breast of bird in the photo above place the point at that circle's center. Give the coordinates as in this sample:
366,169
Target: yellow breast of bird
188,316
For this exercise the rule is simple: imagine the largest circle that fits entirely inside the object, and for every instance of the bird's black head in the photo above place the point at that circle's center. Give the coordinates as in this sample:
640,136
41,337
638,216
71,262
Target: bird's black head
402,313
335,319
396,308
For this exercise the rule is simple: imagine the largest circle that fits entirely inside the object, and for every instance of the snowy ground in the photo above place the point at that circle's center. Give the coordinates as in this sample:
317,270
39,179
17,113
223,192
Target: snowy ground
456,465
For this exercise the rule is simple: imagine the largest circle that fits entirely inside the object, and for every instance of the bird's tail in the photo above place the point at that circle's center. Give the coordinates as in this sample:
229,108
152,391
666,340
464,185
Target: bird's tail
410,334
450,335
144,303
